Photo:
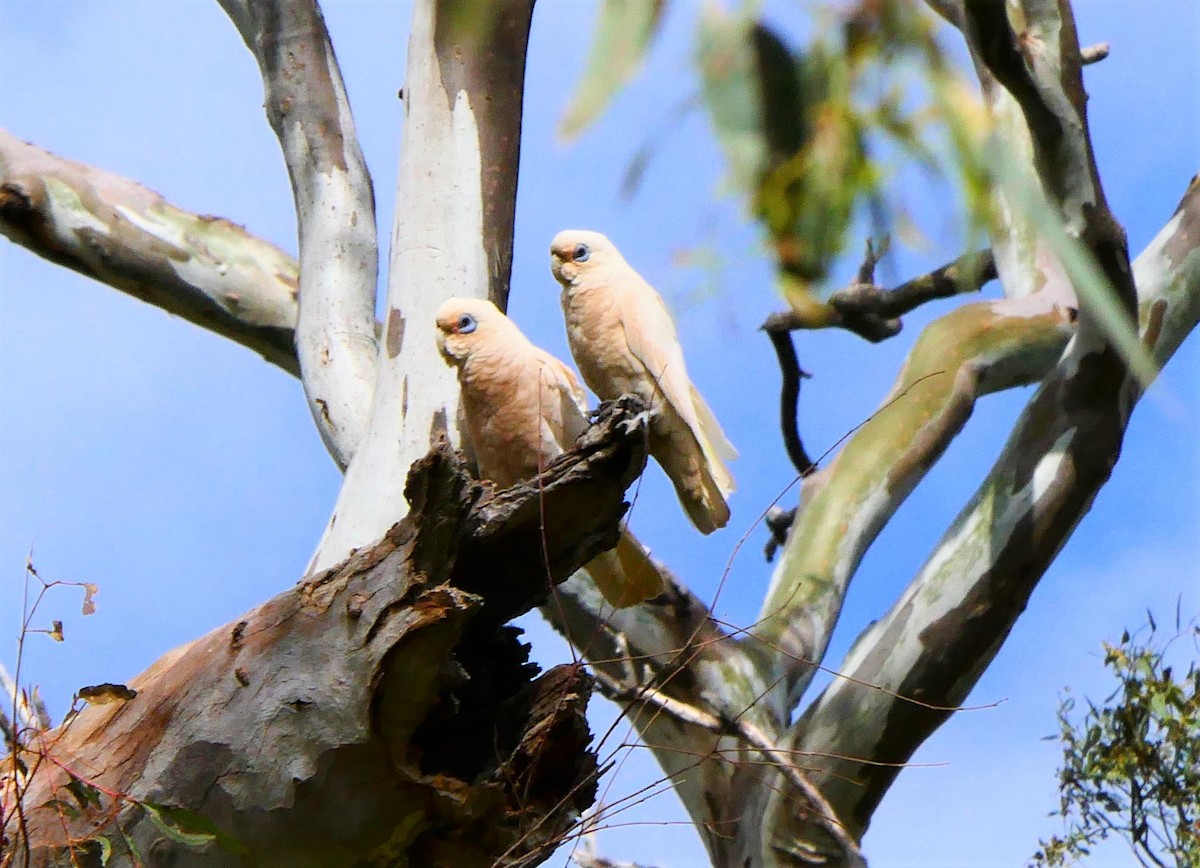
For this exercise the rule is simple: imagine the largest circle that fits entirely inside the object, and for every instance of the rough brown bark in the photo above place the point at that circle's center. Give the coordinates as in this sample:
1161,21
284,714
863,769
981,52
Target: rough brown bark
425,734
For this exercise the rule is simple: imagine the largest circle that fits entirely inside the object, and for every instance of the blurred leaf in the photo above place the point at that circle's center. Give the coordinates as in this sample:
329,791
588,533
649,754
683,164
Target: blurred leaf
134,853
105,849
190,827
632,179
793,139
1090,283
784,99
84,793
623,33
468,20
62,807
729,72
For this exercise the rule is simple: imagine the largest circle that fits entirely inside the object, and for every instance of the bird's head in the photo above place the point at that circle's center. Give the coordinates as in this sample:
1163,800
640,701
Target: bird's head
576,252
463,323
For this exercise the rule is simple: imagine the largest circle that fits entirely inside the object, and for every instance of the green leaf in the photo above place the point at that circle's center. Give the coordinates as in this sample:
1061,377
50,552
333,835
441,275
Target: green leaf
623,33
83,793
729,69
62,807
134,853
190,827
105,849
1090,283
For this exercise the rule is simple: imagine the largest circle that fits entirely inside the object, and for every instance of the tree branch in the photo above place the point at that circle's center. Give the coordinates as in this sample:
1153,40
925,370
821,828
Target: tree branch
452,236
942,633
687,656
972,351
307,106
789,396
204,269
969,273
873,313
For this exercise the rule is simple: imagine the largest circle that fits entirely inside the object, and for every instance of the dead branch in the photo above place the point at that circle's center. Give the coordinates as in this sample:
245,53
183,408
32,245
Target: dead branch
789,396
873,312
425,735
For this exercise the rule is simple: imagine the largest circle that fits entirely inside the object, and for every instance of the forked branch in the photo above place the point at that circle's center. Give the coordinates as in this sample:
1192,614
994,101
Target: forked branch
453,235
951,621
817,808
873,312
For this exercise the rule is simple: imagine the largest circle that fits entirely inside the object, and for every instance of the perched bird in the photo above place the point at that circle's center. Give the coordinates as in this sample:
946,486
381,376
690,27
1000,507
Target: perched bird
623,340
523,407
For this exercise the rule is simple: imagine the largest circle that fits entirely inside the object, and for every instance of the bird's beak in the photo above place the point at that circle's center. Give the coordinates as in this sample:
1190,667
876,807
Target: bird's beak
441,345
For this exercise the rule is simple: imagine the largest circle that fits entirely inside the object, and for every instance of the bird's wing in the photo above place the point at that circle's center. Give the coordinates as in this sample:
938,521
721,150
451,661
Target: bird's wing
651,337
564,404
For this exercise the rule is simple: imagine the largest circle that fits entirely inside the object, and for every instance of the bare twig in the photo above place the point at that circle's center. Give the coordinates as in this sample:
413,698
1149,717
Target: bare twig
779,522
821,811
30,712
968,273
586,856
789,396
873,313
1094,53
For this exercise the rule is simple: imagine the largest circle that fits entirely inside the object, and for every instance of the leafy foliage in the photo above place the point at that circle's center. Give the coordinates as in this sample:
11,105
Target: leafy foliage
804,128
1131,767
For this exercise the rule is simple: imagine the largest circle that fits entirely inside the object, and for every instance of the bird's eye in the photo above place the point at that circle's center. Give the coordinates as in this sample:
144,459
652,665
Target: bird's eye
581,253
466,324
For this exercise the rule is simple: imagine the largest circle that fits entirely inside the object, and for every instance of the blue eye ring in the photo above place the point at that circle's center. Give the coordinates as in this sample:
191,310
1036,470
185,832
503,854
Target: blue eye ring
581,253
466,324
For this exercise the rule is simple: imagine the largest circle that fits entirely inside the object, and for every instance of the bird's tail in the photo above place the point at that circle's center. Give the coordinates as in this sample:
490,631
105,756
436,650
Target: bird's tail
700,477
702,499
625,575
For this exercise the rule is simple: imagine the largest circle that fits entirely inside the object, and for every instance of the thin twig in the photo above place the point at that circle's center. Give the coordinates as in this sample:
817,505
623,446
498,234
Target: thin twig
789,396
822,811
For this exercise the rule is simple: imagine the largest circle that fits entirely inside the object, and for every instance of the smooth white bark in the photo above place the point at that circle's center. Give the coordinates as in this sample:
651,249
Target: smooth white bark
439,249
307,105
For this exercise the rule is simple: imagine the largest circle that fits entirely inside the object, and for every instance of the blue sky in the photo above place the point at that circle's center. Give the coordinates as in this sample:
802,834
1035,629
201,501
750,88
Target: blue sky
184,477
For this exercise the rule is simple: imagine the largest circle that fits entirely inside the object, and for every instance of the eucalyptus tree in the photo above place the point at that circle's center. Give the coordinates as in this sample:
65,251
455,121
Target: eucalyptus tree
381,711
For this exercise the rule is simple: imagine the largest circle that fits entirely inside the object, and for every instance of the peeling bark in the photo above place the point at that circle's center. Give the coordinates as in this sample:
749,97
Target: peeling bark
424,738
